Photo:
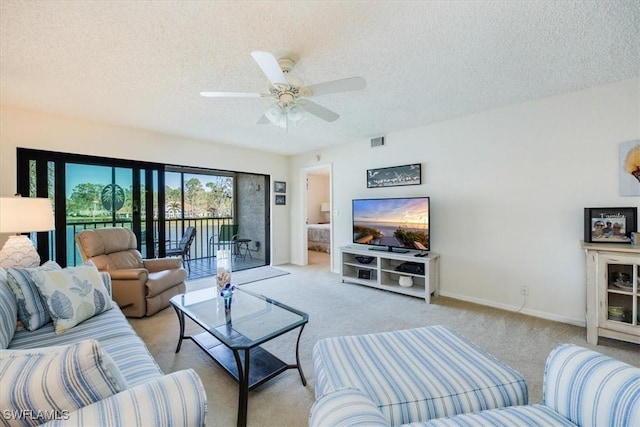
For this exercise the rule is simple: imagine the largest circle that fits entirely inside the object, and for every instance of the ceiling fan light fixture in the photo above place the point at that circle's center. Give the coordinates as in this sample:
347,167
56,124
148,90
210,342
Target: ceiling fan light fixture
295,112
282,115
276,115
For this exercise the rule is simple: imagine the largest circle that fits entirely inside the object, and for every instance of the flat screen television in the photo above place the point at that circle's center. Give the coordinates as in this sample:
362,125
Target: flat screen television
392,224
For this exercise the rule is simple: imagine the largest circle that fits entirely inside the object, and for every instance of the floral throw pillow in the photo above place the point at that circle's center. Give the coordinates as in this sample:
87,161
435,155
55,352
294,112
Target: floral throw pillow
73,295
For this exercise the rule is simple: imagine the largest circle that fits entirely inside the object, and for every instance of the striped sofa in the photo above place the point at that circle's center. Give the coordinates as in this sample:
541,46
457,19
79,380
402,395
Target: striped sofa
434,377
150,397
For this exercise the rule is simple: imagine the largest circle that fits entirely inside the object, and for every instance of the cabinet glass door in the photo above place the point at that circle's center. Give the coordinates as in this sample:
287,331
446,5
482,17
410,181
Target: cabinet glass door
622,291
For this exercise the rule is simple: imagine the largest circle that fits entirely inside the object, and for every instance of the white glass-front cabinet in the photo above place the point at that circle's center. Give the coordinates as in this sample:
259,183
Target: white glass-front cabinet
613,294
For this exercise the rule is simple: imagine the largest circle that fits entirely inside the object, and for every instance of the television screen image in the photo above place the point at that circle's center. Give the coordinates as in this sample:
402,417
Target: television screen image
392,223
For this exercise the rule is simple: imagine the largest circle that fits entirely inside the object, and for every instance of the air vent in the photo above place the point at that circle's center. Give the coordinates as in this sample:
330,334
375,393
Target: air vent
377,142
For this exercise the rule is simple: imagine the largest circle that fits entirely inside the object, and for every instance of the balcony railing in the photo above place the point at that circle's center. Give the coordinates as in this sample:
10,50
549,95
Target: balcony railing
203,246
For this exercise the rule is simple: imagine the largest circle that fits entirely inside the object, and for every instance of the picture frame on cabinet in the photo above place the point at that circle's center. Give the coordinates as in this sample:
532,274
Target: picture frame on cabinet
610,225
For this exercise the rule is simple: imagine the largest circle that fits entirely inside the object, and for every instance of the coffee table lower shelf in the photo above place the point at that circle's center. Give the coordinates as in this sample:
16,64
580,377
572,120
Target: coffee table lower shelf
262,365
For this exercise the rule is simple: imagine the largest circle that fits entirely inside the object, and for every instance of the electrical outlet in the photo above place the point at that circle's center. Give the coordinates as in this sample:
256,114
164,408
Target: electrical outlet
524,290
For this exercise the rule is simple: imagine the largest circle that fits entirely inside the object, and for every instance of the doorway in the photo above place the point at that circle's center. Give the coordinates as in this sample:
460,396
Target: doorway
318,233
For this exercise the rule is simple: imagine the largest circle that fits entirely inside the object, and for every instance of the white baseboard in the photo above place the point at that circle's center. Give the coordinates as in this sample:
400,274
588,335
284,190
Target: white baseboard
527,311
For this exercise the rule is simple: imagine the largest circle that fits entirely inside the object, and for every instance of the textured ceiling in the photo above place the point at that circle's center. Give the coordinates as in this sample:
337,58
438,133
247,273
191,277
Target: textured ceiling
142,64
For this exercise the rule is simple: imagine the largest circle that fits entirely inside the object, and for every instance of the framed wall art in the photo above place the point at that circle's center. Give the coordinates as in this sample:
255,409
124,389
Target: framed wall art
281,199
279,187
394,176
610,225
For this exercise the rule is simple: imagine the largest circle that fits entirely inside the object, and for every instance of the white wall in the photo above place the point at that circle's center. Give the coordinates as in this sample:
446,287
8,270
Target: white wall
317,193
28,129
508,188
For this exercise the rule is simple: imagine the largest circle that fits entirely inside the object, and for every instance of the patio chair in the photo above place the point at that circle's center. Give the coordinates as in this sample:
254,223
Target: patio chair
227,236
183,249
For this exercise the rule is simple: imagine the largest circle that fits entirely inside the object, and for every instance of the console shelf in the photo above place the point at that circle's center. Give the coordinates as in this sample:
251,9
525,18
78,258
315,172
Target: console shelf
382,272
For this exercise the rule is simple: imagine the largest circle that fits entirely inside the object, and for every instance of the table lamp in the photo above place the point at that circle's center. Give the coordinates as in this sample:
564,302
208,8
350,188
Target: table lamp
23,215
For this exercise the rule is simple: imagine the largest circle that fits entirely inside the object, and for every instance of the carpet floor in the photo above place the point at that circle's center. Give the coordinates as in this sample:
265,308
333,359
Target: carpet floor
522,342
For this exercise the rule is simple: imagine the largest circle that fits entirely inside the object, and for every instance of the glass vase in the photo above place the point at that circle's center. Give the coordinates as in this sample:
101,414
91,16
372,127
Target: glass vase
223,268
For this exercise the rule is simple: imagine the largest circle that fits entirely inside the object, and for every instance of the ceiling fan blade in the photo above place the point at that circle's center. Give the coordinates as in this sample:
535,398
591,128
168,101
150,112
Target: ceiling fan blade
270,67
263,120
335,86
320,111
231,95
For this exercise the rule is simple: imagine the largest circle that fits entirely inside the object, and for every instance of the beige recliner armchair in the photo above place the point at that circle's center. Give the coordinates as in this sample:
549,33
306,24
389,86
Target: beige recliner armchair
141,287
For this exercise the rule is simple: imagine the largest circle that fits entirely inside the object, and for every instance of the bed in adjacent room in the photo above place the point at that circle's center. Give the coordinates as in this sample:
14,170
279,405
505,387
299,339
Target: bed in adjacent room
319,237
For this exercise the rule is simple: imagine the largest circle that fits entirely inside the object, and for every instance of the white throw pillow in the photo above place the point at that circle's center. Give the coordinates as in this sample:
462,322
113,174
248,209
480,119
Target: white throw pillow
48,383
73,295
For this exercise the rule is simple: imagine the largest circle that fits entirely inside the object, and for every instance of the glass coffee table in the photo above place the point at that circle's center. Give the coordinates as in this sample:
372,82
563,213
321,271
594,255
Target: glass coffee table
232,337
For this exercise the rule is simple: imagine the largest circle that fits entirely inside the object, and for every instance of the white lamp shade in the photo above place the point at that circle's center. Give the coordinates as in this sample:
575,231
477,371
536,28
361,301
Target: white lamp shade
25,215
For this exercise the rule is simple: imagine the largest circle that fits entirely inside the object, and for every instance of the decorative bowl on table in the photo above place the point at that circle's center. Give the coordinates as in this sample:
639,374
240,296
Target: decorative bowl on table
364,259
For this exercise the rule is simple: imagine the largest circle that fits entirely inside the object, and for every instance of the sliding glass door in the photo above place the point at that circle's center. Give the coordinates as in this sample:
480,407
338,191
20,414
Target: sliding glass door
89,193
158,202
98,197
213,201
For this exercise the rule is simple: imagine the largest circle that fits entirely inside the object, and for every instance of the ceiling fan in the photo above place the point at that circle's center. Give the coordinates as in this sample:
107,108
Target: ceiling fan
290,93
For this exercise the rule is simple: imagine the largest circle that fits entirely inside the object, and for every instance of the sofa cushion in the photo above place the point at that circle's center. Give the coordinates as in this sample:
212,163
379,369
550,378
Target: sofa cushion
56,380
529,415
110,248
105,241
8,311
32,307
112,331
73,295
177,399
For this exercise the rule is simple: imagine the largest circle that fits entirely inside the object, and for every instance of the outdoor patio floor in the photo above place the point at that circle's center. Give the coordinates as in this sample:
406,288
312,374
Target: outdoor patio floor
204,267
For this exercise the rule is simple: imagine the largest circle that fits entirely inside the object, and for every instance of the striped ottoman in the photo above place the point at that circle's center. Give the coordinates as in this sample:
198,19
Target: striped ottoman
417,374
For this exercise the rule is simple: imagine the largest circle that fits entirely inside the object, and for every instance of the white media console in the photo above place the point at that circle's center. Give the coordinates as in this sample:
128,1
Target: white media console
382,272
